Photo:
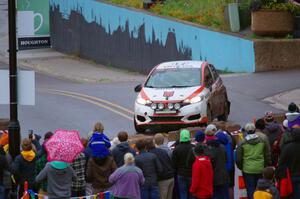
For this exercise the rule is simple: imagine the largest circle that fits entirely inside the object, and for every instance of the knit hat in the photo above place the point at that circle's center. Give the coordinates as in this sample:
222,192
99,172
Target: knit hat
185,135
211,130
200,136
250,128
293,107
269,116
222,137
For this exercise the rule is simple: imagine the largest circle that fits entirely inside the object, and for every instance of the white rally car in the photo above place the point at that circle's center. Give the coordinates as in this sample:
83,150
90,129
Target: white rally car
180,94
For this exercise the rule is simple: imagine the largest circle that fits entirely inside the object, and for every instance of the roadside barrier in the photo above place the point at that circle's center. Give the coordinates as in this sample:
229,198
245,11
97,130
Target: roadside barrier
242,192
29,194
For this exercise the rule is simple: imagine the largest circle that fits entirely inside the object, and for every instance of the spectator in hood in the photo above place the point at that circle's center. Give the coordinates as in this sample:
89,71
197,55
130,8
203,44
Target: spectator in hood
121,149
127,179
274,132
59,176
217,153
293,123
252,156
23,167
159,140
226,140
289,158
266,184
99,143
151,167
179,159
41,163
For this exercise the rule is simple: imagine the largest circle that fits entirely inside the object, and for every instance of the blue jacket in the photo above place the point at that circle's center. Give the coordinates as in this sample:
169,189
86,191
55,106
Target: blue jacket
99,144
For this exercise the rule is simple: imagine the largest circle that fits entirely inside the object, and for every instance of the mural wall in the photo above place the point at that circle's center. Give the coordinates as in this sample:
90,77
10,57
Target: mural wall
137,41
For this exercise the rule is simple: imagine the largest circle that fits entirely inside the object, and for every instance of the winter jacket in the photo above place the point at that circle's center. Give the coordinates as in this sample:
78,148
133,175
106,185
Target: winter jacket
202,178
166,163
287,136
126,182
289,156
79,167
273,131
99,145
98,171
166,148
267,185
293,119
179,159
59,180
226,141
151,167
252,155
218,156
39,166
23,168
119,151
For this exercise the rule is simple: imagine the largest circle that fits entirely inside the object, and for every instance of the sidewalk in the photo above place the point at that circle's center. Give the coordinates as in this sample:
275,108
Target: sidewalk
282,100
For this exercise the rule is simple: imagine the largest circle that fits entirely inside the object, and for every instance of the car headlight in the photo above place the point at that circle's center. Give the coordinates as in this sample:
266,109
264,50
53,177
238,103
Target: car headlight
194,99
170,106
153,106
161,106
142,101
177,106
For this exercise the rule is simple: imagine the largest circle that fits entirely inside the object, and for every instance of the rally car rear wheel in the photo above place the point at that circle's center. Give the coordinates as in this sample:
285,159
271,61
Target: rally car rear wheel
224,116
209,115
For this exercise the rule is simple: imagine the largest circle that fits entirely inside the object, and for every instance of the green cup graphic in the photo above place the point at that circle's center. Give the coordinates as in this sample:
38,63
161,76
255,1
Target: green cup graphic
39,8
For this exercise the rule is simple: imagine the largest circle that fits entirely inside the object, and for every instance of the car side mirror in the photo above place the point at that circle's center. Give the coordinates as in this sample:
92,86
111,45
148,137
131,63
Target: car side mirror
138,88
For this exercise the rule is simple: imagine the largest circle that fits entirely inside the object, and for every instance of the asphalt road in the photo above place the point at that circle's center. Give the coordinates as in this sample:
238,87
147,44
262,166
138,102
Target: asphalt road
62,104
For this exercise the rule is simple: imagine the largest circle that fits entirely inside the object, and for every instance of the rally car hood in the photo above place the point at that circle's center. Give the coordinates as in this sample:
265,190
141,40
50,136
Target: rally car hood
171,94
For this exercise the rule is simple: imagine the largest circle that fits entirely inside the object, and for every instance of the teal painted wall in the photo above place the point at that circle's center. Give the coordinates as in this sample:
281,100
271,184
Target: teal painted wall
223,50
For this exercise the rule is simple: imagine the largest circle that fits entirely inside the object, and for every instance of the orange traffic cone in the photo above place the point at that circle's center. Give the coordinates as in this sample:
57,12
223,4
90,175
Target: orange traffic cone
242,192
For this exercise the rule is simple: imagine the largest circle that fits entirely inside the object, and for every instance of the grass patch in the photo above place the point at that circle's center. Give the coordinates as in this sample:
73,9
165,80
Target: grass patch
204,12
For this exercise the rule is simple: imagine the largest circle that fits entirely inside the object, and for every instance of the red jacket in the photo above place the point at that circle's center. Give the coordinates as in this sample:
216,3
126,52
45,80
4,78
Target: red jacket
202,178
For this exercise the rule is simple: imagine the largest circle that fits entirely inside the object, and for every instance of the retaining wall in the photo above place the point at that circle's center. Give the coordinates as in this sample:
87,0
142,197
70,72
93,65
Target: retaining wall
277,54
137,40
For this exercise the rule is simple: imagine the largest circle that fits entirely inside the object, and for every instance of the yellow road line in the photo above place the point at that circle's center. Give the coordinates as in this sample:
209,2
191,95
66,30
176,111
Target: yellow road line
92,102
94,98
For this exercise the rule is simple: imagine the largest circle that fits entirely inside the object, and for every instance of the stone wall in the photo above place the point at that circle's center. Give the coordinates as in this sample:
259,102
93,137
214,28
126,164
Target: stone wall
277,54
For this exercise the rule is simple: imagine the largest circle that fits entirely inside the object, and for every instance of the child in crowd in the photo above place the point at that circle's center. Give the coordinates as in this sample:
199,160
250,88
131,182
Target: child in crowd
99,142
202,175
265,186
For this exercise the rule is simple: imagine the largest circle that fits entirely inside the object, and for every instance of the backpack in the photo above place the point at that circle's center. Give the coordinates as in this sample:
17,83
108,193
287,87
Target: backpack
262,194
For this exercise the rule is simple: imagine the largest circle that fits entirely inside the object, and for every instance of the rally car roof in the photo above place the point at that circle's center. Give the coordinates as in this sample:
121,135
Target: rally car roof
180,64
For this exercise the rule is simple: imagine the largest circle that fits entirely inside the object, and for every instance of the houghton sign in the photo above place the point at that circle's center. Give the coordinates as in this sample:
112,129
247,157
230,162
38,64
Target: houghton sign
33,24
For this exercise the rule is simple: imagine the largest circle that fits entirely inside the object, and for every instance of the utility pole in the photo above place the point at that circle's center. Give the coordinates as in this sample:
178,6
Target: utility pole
14,126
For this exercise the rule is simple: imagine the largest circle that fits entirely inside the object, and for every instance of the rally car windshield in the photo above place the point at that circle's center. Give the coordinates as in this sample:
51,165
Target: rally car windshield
174,78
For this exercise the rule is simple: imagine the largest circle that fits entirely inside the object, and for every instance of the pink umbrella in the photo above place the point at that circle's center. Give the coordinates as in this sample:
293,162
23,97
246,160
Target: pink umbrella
63,146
